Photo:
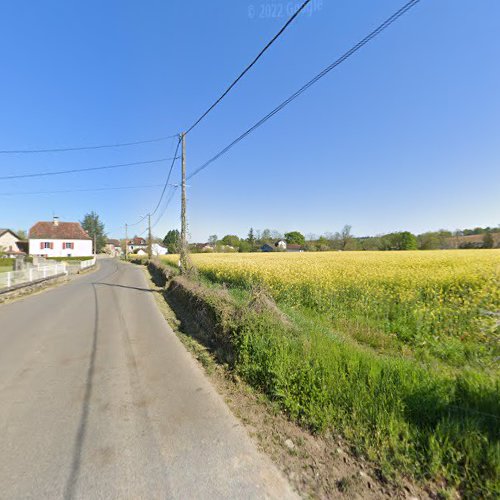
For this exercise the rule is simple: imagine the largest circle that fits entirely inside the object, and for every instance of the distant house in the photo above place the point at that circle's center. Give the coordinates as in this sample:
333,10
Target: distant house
59,239
281,245
157,249
294,248
202,247
113,248
141,251
137,243
267,248
10,244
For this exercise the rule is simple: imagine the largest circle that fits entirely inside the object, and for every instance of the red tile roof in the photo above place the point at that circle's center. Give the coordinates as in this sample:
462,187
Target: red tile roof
137,241
61,231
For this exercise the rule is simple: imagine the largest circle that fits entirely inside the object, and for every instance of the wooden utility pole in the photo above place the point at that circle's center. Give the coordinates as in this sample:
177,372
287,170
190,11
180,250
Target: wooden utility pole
126,241
183,249
150,253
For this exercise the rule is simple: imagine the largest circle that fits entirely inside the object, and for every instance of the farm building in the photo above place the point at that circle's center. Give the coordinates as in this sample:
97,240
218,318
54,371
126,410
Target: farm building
10,244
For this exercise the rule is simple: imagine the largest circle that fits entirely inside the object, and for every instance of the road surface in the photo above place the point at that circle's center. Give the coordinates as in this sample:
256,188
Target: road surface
99,399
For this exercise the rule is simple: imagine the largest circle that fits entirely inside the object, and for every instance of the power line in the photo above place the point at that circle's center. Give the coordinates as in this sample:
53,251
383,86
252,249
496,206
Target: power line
336,63
247,69
164,188
169,200
138,222
82,148
168,177
59,172
116,188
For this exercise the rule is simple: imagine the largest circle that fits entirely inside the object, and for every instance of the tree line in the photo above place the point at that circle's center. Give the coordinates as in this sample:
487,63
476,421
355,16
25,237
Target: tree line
342,240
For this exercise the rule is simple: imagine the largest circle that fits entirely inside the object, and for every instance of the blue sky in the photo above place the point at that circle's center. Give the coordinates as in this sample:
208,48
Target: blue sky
404,135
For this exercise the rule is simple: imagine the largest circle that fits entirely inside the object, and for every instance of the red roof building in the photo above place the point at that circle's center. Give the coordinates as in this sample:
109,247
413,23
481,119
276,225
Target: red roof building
59,239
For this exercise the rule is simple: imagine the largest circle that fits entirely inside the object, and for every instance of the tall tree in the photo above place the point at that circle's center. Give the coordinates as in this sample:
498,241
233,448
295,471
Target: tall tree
251,237
488,241
212,240
295,238
171,241
266,236
95,229
346,237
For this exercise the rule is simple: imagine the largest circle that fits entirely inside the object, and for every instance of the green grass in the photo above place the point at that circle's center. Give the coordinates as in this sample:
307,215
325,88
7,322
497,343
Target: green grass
399,414
6,264
70,259
421,420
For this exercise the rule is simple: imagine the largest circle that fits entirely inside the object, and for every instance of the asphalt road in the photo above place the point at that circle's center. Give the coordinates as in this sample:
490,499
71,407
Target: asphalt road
99,399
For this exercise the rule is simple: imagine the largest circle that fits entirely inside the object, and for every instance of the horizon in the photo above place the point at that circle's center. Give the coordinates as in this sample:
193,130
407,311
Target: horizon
403,136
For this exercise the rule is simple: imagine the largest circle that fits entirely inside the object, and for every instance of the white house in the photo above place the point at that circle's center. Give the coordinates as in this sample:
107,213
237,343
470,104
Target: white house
157,249
10,243
280,245
137,243
59,239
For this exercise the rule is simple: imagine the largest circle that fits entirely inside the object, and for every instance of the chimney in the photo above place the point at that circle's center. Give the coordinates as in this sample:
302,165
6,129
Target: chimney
56,221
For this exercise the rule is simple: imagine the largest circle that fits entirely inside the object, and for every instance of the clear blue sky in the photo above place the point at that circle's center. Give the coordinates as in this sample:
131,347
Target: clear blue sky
405,135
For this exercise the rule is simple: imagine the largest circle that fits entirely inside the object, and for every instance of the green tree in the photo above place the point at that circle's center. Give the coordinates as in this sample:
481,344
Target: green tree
266,236
408,241
21,233
295,238
403,240
346,237
428,241
95,229
488,241
322,244
245,246
212,240
251,237
231,240
433,240
171,241
369,243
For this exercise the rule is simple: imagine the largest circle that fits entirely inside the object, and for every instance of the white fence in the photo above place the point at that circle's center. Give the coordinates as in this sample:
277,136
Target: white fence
26,276
84,264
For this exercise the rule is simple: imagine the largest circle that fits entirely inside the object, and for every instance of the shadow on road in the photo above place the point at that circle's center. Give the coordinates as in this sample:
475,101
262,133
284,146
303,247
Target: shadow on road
69,489
125,286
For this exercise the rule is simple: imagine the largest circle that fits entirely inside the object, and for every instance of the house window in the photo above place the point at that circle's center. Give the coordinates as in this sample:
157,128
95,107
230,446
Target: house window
68,246
46,244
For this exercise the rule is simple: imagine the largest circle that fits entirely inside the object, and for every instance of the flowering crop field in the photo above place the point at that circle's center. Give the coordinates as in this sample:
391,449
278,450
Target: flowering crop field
397,350
440,303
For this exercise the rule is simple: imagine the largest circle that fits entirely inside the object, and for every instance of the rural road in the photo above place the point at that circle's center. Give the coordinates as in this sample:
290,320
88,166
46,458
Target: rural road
99,399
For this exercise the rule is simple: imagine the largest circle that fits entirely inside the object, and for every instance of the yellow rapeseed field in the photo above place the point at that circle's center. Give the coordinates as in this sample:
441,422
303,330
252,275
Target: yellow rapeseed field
397,350
445,301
